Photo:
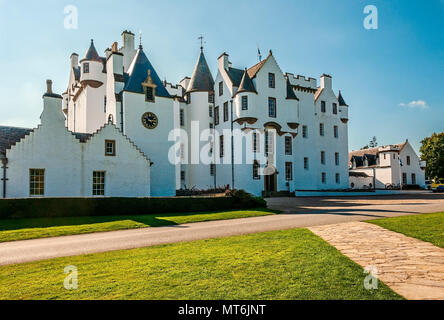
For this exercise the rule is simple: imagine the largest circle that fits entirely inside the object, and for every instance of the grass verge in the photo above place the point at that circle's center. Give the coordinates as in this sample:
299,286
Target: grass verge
23,229
289,264
427,227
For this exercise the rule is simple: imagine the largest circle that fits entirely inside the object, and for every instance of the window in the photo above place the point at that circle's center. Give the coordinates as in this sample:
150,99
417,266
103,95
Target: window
322,106
212,169
255,142
321,129
256,166
244,103
36,182
211,126
188,98
304,132
323,177
384,156
221,88
98,183
86,68
404,178
337,178
335,108
272,107
110,148
182,151
335,131
322,157
288,146
394,156
149,94
408,160
337,158
288,171
210,97
210,111
221,146
306,163
413,178
216,116
182,175
182,117
269,147
104,104
225,111
271,80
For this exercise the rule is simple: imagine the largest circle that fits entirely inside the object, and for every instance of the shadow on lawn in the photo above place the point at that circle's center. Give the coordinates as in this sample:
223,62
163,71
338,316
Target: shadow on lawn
146,220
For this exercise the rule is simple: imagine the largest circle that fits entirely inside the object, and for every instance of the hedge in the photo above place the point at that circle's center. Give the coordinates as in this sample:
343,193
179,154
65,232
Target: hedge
73,207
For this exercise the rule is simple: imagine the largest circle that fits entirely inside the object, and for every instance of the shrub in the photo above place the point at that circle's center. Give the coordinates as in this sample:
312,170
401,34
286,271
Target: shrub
72,207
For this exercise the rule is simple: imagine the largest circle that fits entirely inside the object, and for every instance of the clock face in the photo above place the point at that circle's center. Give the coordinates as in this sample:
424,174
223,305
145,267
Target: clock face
149,120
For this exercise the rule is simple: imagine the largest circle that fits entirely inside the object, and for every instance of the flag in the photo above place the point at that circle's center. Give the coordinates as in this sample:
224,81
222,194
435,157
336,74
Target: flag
259,54
400,162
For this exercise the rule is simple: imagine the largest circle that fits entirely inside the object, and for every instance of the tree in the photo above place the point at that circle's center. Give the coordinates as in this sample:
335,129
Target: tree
373,143
432,151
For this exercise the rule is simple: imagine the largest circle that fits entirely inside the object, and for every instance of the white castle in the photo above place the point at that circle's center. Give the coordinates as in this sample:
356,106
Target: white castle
117,127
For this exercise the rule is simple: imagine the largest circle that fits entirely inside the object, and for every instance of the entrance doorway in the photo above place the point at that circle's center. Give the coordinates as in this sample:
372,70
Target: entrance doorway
270,179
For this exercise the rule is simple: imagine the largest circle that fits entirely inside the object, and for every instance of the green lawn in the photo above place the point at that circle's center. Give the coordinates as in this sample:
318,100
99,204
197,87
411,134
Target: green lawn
290,264
22,229
426,227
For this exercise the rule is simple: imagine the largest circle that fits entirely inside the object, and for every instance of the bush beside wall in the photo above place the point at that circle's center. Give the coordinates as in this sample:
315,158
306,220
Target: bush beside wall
73,207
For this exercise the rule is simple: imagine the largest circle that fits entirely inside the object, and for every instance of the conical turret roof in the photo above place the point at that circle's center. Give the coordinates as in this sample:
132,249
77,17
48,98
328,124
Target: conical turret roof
137,73
246,84
91,53
201,80
341,100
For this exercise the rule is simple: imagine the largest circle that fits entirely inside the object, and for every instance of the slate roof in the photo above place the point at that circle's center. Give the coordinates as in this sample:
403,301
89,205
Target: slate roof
201,80
9,136
235,76
91,53
137,74
76,71
341,100
246,84
290,91
371,154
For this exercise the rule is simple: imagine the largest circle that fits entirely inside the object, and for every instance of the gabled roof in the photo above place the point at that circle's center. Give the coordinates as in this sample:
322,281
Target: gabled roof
258,66
9,136
290,91
341,100
91,54
201,80
246,84
137,74
318,93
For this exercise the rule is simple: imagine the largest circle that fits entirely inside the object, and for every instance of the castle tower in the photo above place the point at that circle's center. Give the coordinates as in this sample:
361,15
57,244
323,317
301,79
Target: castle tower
198,118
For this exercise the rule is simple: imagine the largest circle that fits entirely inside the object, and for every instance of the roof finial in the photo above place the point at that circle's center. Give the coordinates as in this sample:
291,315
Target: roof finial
140,39
201,42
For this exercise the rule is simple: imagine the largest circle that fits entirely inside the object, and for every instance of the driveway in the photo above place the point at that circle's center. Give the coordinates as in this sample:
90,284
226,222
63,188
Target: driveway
298,212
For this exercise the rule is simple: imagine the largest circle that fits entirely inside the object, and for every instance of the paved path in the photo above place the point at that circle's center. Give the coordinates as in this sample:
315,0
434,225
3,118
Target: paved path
411,267
299,212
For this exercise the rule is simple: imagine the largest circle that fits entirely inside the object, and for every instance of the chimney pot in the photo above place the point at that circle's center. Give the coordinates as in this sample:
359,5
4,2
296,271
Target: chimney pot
49,86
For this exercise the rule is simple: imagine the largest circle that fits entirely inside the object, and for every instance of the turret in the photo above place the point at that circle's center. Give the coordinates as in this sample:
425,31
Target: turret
92,65
343,108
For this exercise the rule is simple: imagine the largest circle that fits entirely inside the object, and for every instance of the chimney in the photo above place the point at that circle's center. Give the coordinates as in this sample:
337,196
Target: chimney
326,81
128,40
49,86
223,62
52,115
74,60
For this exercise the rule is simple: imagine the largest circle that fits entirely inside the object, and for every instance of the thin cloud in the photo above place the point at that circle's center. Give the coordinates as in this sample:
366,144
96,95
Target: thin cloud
421,104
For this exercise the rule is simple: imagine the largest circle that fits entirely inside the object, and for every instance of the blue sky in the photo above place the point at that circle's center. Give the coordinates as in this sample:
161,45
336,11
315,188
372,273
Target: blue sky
391,77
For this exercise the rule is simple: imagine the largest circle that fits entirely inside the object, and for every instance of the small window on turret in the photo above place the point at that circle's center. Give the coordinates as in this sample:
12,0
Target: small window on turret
86,68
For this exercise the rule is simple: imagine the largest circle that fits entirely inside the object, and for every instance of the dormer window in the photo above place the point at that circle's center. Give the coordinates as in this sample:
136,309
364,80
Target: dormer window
149,88
86,68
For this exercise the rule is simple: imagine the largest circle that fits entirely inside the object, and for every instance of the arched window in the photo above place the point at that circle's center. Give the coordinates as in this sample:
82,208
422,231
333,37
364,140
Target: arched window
110,119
